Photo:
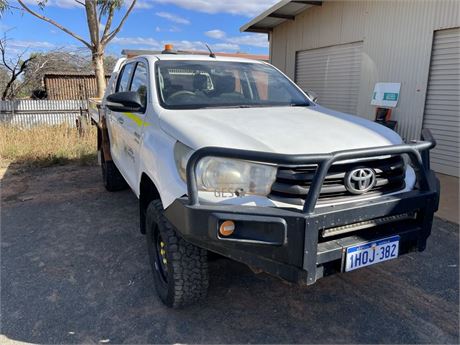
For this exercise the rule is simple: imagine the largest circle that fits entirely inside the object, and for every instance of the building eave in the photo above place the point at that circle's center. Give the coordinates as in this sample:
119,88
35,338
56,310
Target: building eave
277,14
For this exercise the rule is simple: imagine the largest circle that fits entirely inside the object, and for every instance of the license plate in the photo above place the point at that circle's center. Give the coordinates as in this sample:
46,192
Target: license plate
371,253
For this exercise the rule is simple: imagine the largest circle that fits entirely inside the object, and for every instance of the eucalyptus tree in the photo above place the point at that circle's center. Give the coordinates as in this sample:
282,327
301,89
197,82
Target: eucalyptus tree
96,12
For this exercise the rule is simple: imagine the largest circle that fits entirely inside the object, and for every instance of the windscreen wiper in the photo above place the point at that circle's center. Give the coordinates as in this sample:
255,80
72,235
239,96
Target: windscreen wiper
299,104
232,106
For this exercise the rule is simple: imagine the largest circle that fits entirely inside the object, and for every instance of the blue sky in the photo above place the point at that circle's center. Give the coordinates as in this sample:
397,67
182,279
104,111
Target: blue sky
185,23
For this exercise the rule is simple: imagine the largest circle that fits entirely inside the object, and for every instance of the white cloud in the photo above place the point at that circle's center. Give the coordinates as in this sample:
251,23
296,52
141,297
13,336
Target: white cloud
15,48
217,34
225,47
173,18
246,8
226,44
199,45
142,5
30,44
254,40
56,3
137,41
171,29
188,45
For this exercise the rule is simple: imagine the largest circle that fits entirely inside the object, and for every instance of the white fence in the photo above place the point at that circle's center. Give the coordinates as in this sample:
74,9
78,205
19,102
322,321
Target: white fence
28,113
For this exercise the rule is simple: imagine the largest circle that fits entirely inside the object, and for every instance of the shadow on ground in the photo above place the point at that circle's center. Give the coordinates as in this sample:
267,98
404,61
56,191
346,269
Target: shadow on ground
74,269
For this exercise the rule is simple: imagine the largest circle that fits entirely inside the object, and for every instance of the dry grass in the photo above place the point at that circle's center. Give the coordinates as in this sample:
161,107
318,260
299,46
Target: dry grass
46,145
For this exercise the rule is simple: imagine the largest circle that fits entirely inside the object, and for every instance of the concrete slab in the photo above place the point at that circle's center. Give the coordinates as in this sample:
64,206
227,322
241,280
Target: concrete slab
449,206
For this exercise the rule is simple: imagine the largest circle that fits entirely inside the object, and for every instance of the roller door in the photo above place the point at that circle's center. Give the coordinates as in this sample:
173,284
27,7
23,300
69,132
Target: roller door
333,73
442,106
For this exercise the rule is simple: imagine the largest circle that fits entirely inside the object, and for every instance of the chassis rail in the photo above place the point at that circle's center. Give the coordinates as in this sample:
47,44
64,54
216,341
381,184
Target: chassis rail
417,151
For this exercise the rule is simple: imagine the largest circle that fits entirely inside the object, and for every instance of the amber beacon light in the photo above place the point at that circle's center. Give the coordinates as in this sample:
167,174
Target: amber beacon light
169,49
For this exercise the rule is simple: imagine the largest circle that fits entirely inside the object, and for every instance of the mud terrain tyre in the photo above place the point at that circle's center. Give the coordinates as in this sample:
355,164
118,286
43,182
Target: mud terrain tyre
180,269
113,180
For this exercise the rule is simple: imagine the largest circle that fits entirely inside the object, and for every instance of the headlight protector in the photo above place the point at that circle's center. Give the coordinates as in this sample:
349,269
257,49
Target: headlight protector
226,175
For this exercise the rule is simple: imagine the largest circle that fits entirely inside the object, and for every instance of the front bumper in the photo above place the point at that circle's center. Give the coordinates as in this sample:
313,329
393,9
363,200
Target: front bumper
292,244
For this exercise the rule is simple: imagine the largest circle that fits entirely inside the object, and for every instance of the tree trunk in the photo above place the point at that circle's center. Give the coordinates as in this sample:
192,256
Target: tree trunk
8,88
98,64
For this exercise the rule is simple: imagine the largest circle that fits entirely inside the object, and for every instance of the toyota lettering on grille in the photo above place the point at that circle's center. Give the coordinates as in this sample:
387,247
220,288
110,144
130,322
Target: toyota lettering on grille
360,180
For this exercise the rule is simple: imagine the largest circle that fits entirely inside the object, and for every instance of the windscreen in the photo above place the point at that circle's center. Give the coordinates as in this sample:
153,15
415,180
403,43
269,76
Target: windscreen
221,84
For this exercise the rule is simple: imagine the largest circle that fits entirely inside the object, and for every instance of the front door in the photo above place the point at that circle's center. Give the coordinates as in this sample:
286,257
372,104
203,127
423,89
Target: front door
133,124
117,119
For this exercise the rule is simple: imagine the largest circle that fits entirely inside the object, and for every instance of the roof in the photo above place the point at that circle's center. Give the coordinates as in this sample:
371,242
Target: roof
71,74
132,53
278,14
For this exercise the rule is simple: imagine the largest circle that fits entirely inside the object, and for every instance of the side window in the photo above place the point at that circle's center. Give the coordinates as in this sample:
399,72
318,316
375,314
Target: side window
123,78
140,82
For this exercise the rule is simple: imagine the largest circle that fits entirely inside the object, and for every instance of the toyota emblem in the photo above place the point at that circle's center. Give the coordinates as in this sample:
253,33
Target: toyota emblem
360,180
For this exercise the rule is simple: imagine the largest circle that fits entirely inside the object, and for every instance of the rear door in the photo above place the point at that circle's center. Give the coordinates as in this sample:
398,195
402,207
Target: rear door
134,122
116,119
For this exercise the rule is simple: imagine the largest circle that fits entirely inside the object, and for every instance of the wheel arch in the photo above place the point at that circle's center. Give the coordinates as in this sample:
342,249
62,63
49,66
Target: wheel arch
148,192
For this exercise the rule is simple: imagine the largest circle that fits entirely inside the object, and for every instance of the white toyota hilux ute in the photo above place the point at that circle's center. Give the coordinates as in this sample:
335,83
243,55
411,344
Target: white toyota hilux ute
229,156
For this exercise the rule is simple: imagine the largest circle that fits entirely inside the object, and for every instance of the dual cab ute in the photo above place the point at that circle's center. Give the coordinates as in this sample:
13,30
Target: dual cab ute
229,156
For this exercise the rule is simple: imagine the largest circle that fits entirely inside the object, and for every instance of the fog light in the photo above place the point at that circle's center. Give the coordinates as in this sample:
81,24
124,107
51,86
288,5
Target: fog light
227,228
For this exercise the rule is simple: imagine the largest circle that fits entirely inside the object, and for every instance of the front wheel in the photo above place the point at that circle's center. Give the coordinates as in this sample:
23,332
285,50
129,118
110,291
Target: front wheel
180,269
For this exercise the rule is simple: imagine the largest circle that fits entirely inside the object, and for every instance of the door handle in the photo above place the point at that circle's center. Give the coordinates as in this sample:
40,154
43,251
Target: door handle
121,120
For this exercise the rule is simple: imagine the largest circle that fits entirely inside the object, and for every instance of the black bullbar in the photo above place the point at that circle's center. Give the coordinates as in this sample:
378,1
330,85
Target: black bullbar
302,246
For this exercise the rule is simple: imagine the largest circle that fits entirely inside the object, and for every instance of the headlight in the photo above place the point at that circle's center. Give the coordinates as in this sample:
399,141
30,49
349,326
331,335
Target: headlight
234,176
224,175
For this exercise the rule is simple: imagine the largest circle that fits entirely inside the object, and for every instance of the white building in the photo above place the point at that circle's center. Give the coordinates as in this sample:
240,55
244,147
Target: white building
341,49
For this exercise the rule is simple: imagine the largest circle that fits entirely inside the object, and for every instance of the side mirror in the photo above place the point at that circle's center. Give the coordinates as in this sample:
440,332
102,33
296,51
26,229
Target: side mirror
129,101
313,96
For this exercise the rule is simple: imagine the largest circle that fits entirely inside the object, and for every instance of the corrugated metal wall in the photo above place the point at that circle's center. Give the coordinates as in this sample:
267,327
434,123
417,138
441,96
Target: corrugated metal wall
27,113
397,37
442,108
62,87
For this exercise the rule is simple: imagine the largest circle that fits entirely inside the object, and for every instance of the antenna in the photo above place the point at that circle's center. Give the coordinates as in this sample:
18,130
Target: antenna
211,54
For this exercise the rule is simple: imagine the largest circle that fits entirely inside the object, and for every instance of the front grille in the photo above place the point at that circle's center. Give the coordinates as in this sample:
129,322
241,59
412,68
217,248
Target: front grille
292,184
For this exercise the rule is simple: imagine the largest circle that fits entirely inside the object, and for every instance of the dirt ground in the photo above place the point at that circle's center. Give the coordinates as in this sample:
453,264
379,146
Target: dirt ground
74,270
